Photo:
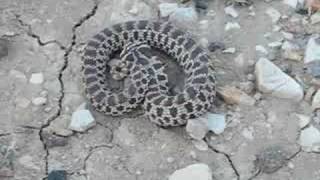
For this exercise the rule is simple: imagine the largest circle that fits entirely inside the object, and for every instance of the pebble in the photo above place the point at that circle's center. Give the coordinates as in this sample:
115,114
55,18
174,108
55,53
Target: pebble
57,175
275,44
303,120
233,95
81,120
200,145
274,14
231,11
310,139
170,159
292,55
270,79
232,25
216,122
315,18
184,15
261,49
293,3
230,50
3,48
197,171
213,46
167,8
197,128
38,101
36,78
312,52
22,102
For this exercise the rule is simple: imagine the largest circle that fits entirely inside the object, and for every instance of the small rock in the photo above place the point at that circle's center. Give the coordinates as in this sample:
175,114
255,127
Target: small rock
36,78
275,44
287,35
294,3
231,11
233,95
274,14
270,79
313,68
198,171
213,46
247,87
292,55
261,49
22,102
315,18
170,159
38,101
81,121
167,8
310,139
3,48
312,52
231,50
57,175
216,122
231,26
197,128
200,145
303,120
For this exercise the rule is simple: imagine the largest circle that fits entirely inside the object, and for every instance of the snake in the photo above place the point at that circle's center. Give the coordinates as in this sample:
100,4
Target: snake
146,82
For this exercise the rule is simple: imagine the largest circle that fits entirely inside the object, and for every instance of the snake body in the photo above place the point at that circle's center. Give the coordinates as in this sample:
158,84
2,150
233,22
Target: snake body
146,79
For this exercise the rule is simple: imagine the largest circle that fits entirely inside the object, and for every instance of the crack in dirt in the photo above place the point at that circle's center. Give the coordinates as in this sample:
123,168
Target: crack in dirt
225,155
67,51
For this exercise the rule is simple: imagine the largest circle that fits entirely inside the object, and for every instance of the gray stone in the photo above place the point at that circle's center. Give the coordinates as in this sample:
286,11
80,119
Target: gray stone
303,120
231,11
216,122
197,128
271,80
312,52
198,171
200,145
231,26
38,101
52,140
81,121
271,159
261,49
57,175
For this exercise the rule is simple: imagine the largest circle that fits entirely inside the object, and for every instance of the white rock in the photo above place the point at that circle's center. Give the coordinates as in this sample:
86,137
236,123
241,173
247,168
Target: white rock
186,16
312,52
22,102
167,8
216,122
36,78
231,26
310,139
287,35
230,50
38,101
200,145
274,14
231,11
198,171
271,80
197,128
303,120
315,18
81,121
293,3
261,49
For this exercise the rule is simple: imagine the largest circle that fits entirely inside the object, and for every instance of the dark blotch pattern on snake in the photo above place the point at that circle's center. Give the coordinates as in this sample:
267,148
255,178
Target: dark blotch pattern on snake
144,72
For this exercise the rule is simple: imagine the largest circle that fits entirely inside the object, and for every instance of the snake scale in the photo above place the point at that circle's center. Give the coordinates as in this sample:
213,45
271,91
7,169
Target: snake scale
146,81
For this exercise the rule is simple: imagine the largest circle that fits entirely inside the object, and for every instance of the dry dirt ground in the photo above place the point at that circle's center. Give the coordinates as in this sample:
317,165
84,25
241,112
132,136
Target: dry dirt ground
47,36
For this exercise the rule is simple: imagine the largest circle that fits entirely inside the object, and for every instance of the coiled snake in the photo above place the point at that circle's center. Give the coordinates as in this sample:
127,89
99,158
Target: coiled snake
147,83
